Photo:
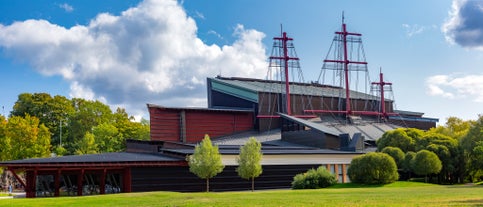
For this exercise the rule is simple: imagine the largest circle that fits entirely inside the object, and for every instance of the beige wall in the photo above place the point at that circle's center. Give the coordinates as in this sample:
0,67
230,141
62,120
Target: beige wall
335,163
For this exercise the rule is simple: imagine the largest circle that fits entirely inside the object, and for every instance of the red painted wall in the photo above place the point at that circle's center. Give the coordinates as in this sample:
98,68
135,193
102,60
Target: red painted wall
215,124
166,123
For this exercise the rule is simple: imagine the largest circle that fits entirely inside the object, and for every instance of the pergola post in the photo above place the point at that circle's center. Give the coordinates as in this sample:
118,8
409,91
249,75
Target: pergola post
127,180
57,183
103,181
80,178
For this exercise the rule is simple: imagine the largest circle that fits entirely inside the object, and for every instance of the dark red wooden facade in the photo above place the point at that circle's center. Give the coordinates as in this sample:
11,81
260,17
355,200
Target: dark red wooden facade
189,125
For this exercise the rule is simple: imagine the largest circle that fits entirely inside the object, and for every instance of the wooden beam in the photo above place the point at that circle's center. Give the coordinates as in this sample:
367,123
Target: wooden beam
17,177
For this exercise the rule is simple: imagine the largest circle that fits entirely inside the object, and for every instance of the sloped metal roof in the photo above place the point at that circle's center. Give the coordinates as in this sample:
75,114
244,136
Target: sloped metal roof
114,157
311,89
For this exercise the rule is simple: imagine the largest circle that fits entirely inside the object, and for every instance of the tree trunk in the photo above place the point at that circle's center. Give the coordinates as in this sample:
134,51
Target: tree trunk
207,185
253,184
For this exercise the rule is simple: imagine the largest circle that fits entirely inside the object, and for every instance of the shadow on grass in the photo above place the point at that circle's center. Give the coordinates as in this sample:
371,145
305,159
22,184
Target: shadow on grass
355,185
390,185
475,202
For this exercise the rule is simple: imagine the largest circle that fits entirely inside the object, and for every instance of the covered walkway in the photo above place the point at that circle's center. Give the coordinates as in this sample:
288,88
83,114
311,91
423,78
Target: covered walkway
83,174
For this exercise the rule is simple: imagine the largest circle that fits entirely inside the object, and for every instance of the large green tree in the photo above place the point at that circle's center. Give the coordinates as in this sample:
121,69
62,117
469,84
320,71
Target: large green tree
107,138
448,151
454,127
404,139
4,140
205,162
406,165
249,160
87,115
425,163
53,112
87,145
470,156
27,137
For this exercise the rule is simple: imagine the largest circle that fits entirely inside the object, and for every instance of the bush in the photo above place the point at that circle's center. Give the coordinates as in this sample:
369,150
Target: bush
313,179
396,153
426,162
373,168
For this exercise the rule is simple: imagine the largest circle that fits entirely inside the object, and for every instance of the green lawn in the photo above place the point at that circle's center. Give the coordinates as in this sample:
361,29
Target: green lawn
396,194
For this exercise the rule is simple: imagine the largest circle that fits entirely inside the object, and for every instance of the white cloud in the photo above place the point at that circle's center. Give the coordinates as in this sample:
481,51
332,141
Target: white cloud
463,25
199,15
465,87
412,30
415,29
148,54
66,7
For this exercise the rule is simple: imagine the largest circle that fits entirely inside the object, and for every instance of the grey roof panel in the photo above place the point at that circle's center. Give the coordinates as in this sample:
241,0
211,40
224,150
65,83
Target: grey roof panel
320,127
98,158
295,88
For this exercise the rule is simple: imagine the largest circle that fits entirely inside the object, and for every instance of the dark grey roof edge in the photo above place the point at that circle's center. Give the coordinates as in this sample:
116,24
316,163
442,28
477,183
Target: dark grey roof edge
113,157
198,108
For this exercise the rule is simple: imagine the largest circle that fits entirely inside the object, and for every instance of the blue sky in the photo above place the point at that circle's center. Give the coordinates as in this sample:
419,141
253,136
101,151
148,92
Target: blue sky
129,53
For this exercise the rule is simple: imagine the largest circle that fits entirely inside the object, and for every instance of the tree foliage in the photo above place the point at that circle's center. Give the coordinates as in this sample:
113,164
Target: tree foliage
404,139
249,166
205,162
396,153
454,127
373,168
24,137
470,144
87,145
69,120
426,162
313,179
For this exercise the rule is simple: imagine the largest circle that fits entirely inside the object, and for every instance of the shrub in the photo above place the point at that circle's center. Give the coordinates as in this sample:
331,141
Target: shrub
373,168
396,153
426,162
313,179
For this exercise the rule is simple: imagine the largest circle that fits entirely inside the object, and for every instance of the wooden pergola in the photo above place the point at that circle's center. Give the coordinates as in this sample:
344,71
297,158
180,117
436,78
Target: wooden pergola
86,171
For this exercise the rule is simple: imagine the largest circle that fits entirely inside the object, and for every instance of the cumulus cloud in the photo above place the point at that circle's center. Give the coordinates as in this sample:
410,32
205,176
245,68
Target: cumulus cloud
464,26
470,86
148,54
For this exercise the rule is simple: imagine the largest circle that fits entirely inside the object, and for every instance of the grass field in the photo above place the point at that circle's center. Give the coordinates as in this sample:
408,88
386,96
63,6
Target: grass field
396,194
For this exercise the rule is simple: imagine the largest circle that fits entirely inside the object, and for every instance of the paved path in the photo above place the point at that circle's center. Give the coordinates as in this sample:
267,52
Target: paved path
14,195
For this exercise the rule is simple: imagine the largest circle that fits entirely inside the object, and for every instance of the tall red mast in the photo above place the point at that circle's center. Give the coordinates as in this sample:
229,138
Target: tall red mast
346,67
285,58
380,86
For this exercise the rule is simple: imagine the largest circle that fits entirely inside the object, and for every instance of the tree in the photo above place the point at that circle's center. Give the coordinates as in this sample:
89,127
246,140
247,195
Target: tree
249,166
107,138
468,144
426,162
4,140
404,139
27,137
87,115
447,150
396,153
478,155
51,111
205,162
373,168
406,165
454,127
86,145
